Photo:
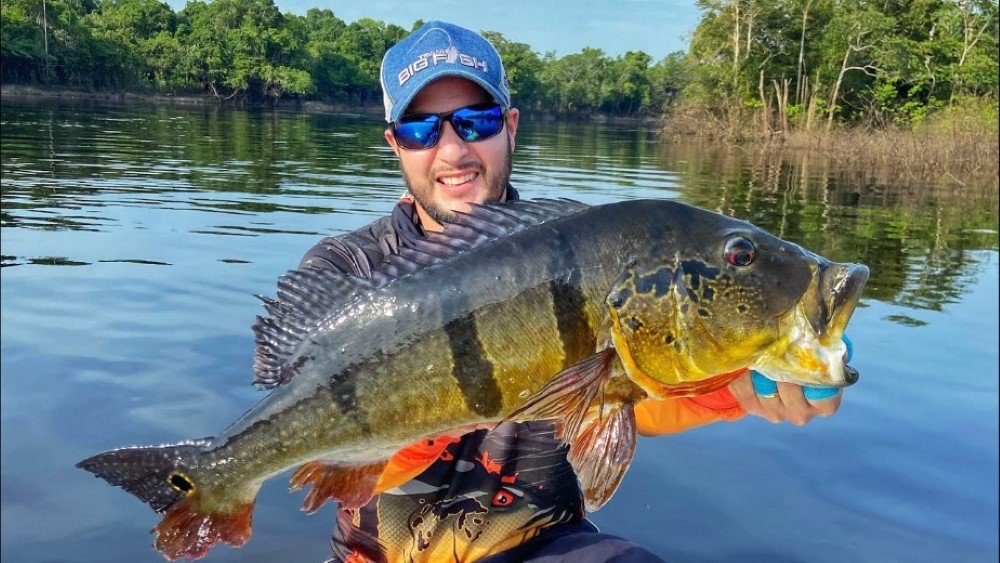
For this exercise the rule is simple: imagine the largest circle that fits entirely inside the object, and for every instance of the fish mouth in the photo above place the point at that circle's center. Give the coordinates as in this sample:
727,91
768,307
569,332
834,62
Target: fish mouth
840,287
812,351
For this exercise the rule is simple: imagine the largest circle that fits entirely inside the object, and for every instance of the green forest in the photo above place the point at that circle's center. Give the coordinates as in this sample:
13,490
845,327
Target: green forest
782,64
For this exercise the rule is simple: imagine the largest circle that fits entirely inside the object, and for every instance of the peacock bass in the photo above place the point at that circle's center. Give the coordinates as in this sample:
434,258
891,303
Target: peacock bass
529,310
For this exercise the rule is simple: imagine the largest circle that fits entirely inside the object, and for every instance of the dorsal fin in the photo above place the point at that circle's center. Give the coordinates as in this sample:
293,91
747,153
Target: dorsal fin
306,297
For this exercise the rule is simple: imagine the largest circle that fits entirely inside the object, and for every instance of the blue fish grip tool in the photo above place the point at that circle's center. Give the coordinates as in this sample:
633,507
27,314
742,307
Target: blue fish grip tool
766,387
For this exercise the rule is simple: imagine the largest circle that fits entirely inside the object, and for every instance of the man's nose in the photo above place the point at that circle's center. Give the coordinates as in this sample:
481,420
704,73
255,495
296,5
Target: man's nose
451,147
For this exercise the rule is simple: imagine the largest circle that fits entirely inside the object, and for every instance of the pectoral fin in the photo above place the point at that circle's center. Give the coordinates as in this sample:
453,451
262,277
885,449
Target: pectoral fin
602,436
569,395
351,485
602,453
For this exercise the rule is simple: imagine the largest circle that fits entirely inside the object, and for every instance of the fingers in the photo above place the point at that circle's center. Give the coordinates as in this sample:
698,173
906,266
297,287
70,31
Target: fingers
746,396
826,407
772,407
788,404
796,409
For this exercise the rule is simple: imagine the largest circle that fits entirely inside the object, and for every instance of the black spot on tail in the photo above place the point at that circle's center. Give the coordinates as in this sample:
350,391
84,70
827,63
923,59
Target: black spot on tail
181,482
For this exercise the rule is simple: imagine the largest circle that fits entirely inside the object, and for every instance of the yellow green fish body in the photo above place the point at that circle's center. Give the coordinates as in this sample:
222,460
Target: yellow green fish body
528,310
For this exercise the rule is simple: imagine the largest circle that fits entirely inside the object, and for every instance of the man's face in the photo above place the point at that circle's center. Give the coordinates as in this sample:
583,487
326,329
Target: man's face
453,173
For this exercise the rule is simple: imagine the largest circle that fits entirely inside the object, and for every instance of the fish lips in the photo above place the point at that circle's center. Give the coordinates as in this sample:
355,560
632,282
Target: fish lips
840,287
851,375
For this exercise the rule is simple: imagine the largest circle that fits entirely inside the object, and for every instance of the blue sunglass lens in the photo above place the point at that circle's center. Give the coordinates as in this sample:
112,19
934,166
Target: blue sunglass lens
473,123
476,124
419,134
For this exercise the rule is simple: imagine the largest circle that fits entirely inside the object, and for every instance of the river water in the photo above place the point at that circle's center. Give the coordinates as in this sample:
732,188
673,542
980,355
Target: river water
134,238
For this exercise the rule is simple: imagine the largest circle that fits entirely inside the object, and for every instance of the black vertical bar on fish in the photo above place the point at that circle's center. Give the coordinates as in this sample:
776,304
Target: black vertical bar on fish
568,301
471,368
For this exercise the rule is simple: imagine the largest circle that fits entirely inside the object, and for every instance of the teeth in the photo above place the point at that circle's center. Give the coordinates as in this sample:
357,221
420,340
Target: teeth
456,180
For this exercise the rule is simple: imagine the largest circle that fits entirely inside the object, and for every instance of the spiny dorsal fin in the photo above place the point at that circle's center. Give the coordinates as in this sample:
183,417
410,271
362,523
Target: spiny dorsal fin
305,298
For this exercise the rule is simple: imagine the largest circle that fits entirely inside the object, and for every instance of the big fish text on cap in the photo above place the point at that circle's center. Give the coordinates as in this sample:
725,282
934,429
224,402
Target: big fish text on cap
433,58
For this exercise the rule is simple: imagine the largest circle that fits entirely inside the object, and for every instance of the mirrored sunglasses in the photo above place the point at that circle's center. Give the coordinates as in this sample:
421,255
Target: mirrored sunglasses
472,124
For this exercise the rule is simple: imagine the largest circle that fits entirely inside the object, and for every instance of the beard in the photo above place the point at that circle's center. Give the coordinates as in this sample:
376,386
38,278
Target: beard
495,181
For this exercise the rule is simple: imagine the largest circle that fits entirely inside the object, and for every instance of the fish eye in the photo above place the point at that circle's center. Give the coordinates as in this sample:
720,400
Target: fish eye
740,251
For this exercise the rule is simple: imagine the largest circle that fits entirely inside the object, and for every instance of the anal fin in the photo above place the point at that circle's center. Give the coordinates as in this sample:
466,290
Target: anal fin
602,453
350,485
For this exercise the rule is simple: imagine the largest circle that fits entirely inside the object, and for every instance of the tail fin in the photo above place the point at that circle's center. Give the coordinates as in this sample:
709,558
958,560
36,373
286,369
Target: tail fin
163,477
157,475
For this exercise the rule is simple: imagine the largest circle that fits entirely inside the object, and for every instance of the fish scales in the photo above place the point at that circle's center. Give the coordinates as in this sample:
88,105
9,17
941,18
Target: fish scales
489,349
449,370
572,315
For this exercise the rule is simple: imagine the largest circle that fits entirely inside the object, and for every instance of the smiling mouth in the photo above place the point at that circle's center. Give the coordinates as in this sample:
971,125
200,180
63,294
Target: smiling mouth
458,179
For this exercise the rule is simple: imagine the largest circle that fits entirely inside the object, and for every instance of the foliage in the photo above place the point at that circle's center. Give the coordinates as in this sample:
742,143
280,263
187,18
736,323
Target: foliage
753,65
803,64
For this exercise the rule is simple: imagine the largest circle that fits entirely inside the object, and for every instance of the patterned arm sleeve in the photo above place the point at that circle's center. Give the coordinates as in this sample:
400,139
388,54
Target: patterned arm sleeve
354,253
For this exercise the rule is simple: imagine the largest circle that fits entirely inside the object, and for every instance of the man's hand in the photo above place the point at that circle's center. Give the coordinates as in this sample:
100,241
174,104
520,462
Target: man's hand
789,403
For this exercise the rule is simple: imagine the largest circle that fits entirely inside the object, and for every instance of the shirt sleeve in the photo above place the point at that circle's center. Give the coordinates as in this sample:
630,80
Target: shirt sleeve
353,253
654,417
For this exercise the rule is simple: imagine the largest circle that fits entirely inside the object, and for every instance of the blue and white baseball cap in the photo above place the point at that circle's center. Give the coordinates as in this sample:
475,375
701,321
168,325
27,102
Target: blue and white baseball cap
436,50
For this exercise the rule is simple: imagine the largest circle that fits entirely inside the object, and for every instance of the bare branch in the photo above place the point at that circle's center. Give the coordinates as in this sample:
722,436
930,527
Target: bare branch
870,70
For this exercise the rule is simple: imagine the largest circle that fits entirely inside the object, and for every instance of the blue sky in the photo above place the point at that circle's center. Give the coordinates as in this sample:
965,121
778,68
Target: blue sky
564,26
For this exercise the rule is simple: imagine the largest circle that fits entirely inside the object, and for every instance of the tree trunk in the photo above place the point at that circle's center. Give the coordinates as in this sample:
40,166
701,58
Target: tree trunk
781,94
736,41
761,91
836,88
812,104
801,68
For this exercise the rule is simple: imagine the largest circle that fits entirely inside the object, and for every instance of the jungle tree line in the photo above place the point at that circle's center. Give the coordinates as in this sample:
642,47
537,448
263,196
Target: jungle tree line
809,63
247,51
786,62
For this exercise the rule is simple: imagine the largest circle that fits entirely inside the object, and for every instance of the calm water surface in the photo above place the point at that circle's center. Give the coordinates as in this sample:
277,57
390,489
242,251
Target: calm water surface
133,239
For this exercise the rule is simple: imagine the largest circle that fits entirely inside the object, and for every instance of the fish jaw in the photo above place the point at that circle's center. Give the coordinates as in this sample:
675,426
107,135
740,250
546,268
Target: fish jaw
810,349
840,286
803,357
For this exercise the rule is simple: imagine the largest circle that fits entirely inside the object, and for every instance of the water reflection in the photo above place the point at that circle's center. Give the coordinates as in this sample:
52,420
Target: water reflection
61,171
173,217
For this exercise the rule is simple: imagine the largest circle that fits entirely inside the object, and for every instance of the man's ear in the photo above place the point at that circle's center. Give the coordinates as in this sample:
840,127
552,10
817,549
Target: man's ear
391,139
512,117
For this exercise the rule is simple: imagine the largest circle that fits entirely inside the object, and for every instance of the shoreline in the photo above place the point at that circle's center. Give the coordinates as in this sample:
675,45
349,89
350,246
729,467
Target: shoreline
961,155
124,98
21,92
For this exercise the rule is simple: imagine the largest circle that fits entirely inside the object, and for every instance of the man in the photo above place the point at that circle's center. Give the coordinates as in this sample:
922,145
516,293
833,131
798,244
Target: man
507,494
